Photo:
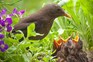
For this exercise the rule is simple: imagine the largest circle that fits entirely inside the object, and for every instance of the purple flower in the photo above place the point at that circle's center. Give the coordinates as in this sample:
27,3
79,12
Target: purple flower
2,23
3,12
5,24
20,13
8,20
11,15
3,47
15,11
9,28
0,18
1,36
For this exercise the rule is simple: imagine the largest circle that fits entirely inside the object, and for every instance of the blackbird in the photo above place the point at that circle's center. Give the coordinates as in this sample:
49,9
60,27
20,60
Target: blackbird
43,20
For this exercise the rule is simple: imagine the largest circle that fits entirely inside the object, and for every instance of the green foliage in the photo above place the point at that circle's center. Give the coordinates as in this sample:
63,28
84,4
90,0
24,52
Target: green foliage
41,50
30,30
82,20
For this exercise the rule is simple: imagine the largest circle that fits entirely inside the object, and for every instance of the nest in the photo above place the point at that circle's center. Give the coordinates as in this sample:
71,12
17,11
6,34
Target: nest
69,50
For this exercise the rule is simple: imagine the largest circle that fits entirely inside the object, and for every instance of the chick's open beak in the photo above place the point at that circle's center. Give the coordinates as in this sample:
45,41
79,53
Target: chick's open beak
67,15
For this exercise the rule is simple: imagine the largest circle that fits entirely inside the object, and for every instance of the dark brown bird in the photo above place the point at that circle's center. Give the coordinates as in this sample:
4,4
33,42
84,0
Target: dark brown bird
43,20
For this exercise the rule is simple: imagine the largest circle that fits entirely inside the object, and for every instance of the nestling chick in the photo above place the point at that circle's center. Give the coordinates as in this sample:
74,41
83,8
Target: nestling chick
43,20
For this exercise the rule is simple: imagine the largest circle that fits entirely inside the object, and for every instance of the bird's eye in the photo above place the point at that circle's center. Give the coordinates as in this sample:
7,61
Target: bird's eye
58,9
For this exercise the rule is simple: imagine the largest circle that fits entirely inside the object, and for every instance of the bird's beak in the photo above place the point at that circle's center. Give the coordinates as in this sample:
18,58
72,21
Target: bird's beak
67,15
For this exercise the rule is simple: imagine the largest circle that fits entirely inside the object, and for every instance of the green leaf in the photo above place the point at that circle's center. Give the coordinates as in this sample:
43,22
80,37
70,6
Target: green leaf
12,49
15,21
19,36
30,30
10,41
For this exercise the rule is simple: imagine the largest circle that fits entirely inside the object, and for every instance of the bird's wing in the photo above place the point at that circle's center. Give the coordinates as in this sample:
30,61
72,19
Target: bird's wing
24,23
21,26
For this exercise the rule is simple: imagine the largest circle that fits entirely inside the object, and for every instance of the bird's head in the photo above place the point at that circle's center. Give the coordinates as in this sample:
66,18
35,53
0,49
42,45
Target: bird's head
55,10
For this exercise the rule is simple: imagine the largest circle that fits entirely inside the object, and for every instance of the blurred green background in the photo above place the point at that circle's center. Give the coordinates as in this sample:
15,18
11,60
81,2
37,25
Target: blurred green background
29,5
81,24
